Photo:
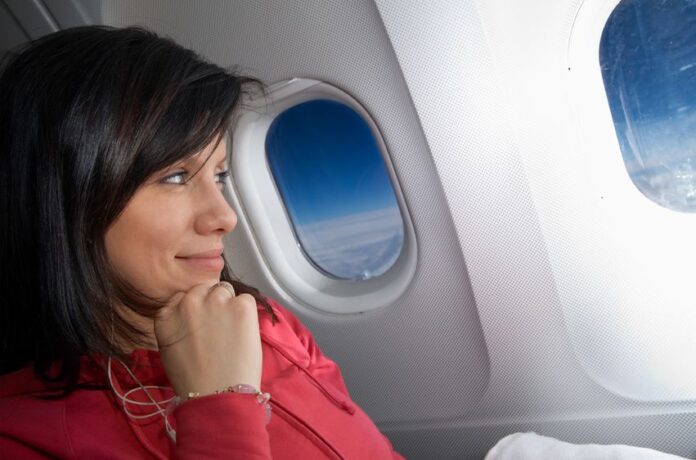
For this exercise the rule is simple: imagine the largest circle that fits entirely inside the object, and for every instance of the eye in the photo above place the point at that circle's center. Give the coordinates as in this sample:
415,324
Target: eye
176,178
221,177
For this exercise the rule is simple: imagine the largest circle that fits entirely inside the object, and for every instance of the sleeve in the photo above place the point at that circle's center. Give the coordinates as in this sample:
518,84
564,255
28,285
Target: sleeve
227,425
10,448
320,365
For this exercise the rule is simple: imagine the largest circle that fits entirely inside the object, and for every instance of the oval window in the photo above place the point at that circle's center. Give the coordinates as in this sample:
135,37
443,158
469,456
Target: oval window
336,189
648,61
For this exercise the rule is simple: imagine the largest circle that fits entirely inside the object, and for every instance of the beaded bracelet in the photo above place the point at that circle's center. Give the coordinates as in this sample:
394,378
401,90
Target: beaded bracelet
243,388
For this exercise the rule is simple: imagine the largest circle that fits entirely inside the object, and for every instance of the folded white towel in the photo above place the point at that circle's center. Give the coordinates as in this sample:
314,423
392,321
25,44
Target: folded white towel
531,446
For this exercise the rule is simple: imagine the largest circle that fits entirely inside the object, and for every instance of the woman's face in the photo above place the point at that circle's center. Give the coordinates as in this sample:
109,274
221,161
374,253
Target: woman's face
169,236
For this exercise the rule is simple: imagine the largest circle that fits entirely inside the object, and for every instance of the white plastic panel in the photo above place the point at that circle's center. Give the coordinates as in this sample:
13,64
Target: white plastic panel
73,13
24,20
33,16
632,314
11,33
489,80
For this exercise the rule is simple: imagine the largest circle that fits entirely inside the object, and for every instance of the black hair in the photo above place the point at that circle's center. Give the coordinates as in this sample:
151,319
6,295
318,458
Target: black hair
87,115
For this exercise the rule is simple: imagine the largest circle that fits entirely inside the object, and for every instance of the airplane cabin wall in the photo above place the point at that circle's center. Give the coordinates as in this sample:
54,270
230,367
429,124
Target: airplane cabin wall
490,83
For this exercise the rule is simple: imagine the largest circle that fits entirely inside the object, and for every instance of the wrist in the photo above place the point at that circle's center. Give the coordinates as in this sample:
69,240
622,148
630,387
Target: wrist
239,388
261,398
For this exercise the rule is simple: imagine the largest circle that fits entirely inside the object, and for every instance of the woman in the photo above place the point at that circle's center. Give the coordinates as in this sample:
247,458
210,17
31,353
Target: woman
122,333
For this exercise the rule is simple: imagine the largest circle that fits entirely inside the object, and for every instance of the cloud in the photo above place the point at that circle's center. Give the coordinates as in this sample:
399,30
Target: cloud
358,246
661,160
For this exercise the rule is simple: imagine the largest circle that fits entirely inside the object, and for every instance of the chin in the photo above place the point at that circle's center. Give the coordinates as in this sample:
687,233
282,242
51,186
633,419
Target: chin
209,280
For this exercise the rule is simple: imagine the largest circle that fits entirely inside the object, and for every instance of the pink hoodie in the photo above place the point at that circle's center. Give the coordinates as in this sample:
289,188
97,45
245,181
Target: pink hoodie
313,415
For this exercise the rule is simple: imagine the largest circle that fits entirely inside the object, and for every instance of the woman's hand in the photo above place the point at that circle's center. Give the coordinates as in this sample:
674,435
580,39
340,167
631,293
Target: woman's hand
209,340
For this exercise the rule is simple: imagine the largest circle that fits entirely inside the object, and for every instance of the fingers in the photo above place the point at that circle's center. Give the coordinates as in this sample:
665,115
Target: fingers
226,285
202,296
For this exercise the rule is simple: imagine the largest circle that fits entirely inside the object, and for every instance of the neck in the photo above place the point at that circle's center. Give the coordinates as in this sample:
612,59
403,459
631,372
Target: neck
141,323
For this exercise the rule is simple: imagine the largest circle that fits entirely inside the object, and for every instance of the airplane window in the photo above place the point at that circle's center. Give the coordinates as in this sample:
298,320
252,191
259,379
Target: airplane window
648,61
335,186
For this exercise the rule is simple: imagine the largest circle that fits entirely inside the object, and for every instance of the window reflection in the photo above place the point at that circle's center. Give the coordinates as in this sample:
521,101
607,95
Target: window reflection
648,62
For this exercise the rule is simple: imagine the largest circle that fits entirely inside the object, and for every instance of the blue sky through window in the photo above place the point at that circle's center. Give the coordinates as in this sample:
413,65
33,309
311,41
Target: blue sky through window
648,61
334,183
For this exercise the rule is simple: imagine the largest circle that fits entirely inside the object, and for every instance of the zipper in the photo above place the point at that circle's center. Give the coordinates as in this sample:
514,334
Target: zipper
301,426
340,403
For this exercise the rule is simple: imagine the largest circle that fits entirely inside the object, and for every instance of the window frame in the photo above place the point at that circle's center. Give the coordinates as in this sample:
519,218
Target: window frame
639,307
255,193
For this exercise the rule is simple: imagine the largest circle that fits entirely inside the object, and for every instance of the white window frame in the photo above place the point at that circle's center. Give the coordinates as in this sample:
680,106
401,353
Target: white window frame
257,197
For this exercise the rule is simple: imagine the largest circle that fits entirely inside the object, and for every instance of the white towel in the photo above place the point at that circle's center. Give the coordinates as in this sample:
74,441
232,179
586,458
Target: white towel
531,446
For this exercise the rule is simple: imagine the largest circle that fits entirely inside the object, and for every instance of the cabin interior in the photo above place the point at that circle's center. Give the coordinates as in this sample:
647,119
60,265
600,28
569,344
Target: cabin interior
523,243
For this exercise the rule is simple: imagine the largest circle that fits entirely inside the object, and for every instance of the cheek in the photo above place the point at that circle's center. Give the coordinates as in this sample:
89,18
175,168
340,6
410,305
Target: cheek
142,244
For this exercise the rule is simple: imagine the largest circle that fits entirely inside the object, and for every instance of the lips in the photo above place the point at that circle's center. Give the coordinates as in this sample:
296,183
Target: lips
208,260
217,252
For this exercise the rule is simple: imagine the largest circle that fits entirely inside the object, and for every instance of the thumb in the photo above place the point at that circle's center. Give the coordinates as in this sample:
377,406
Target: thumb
170,305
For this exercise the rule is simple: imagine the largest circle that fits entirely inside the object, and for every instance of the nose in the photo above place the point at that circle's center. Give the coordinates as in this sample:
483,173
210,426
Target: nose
216,215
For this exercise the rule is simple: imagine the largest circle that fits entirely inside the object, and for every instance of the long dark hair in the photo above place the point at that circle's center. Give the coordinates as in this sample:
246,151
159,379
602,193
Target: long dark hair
86,116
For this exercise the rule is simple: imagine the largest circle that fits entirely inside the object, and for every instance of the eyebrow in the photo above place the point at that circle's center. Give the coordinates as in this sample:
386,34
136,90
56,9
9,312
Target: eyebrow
199,160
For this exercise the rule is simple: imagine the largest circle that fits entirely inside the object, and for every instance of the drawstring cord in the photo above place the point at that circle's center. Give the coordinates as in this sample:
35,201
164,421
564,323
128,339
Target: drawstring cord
169,403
